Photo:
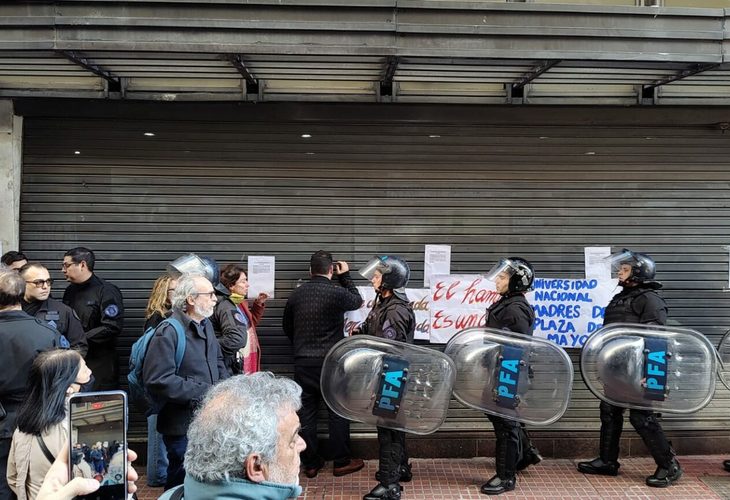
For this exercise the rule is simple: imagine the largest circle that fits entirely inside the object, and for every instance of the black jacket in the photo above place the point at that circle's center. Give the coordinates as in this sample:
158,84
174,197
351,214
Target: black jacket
638,304
100,308
392,318
511,312
314,316
230,326
60,317
201,367
22,337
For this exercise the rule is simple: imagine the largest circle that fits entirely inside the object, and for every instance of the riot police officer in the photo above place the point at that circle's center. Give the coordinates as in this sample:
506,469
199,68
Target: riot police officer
638,302
391,318
513,277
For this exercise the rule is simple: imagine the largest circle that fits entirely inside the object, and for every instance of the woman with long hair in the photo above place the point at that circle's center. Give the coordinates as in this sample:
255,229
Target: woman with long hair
159,307
54,376
234,278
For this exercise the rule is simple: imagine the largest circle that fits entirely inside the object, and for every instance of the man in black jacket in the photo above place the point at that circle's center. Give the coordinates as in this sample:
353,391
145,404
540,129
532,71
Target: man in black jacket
637,302
38,302
22,337
180,391
314,321
100,308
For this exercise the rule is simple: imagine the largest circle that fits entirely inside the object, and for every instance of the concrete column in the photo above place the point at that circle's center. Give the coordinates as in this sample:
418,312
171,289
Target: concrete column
11,163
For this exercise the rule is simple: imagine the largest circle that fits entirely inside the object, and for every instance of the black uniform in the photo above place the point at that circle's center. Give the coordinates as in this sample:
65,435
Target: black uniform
638,304
22,337
314,321
512,312
391,318
60,317
231,329
100,308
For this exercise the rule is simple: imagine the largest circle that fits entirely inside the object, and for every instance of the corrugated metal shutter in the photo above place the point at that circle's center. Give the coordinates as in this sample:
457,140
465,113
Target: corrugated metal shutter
230,184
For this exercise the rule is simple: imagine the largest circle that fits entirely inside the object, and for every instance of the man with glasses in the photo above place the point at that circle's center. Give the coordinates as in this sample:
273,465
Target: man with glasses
38,302
100,308
179,391
22,337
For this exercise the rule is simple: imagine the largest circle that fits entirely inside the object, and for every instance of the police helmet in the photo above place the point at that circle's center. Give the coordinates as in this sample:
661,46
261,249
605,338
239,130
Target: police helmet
643,267
395,271
520,271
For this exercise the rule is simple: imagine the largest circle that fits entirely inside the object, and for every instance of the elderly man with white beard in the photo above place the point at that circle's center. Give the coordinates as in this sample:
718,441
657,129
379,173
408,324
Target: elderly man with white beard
178,392
244,442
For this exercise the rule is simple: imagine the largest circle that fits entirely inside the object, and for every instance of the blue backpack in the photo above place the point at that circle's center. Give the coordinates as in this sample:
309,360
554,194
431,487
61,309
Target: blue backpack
137,391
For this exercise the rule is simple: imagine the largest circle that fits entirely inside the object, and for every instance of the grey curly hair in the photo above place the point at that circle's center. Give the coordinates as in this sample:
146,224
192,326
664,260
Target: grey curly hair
185,288
238,417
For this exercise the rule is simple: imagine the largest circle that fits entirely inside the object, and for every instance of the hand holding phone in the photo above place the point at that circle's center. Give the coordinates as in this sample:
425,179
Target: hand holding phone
57,486
98,442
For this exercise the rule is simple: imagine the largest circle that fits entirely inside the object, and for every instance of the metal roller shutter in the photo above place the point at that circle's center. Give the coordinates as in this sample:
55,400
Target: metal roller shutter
228,183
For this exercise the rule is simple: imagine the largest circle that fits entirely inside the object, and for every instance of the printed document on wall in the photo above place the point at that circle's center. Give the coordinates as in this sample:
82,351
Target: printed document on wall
437,261
261,275
597,267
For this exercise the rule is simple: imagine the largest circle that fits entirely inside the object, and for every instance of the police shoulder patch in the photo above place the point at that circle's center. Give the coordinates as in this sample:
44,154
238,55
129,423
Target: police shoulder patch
240,318
111,311
389,331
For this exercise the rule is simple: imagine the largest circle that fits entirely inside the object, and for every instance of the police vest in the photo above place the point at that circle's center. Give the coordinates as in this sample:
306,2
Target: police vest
621,308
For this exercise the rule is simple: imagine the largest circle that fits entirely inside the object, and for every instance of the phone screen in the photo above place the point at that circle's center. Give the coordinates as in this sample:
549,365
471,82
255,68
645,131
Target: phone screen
98,450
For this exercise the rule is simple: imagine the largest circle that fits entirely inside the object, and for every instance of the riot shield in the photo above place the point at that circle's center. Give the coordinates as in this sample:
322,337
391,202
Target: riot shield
650,367
723,353
513,376
389,384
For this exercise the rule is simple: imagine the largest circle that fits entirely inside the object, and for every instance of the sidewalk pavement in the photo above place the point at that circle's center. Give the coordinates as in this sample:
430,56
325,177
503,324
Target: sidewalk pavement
460,479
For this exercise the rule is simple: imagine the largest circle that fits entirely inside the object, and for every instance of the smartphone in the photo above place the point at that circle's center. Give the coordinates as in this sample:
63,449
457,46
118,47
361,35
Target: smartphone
98,442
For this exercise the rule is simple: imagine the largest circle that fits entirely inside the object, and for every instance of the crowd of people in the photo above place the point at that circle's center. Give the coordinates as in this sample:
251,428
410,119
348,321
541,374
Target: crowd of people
202,442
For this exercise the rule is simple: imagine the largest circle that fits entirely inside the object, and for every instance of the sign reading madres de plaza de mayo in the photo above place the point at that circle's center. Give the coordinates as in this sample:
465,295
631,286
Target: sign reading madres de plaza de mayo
566,310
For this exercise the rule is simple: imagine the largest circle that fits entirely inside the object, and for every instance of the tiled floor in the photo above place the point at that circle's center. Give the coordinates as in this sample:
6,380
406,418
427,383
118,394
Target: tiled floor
459,479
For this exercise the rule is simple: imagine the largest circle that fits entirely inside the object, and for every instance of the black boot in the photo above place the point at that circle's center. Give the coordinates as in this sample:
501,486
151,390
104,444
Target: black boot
532,457
726,465
664,476
381,492
405,473
495,486
600,467
612,424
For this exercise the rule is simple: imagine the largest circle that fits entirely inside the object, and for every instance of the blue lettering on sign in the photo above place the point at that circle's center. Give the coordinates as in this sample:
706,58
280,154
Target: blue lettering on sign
508,376
391,387
655,369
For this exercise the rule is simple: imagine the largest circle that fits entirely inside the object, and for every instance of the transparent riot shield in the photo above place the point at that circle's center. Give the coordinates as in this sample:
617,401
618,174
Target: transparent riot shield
389,384
723,352
650,367
513,376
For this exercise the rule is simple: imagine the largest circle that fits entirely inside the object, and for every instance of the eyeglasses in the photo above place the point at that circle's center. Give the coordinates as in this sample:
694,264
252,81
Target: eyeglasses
209,294
40,283
66,265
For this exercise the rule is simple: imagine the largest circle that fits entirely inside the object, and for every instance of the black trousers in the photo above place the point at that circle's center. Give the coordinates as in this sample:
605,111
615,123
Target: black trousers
647,426
5,492
511,443
392,455
339,428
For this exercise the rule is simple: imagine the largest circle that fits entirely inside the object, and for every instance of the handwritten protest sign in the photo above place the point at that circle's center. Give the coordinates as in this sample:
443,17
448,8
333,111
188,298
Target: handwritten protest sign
566,310
458,301
419,299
